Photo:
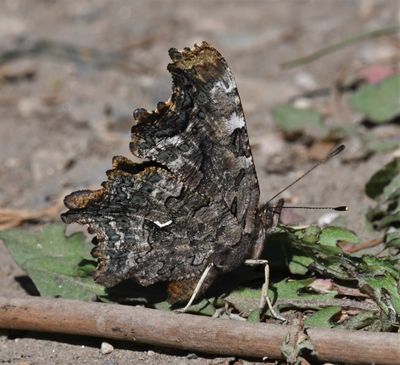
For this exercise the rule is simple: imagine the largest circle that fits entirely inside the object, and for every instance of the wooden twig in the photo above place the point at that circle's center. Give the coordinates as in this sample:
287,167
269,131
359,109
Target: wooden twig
348,248
336,46
189,332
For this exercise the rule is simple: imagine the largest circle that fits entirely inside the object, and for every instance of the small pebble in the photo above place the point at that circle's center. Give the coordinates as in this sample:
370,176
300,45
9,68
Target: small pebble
191,356
151,353
106,348
305,81
302,103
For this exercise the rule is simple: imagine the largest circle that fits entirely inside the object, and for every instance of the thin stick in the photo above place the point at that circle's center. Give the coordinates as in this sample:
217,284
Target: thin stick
336,46
192,333
361,246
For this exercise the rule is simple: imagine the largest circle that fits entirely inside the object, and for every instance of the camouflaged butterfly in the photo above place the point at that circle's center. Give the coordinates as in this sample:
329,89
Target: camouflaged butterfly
194,203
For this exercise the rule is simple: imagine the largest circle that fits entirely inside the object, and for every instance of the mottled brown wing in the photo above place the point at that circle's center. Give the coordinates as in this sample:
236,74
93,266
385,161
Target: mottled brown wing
149,226
200,134
195,201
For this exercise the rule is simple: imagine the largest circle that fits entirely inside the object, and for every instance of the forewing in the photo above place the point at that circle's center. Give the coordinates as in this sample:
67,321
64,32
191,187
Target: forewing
200,134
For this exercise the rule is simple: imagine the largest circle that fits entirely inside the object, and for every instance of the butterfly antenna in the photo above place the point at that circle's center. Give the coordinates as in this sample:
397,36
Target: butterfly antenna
340,208
331,154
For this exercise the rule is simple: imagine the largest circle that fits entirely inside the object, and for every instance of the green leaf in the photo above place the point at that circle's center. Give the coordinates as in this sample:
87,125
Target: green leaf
298,264
298,290
245,299
249,293
380,103
205,307
380,278
375,276
384,290
331,235
308,235
293,121
360,321
322,318
314,244
393,239
392,190
380,266
383,177
254,316
57,265
289,289
163,306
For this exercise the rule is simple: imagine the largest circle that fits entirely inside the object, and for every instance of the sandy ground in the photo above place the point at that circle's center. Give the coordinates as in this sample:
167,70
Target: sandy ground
66,113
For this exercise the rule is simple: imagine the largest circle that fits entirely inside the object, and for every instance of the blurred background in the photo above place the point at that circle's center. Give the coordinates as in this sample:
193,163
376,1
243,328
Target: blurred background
72,72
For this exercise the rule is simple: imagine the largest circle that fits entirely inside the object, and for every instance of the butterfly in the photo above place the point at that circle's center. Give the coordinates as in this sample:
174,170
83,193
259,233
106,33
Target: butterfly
193,205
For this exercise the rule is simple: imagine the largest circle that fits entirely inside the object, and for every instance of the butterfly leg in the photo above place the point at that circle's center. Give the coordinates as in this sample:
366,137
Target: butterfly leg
264,290
196,289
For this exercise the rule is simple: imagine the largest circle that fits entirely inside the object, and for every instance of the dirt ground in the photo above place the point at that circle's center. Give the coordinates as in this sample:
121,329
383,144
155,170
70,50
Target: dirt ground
72,72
